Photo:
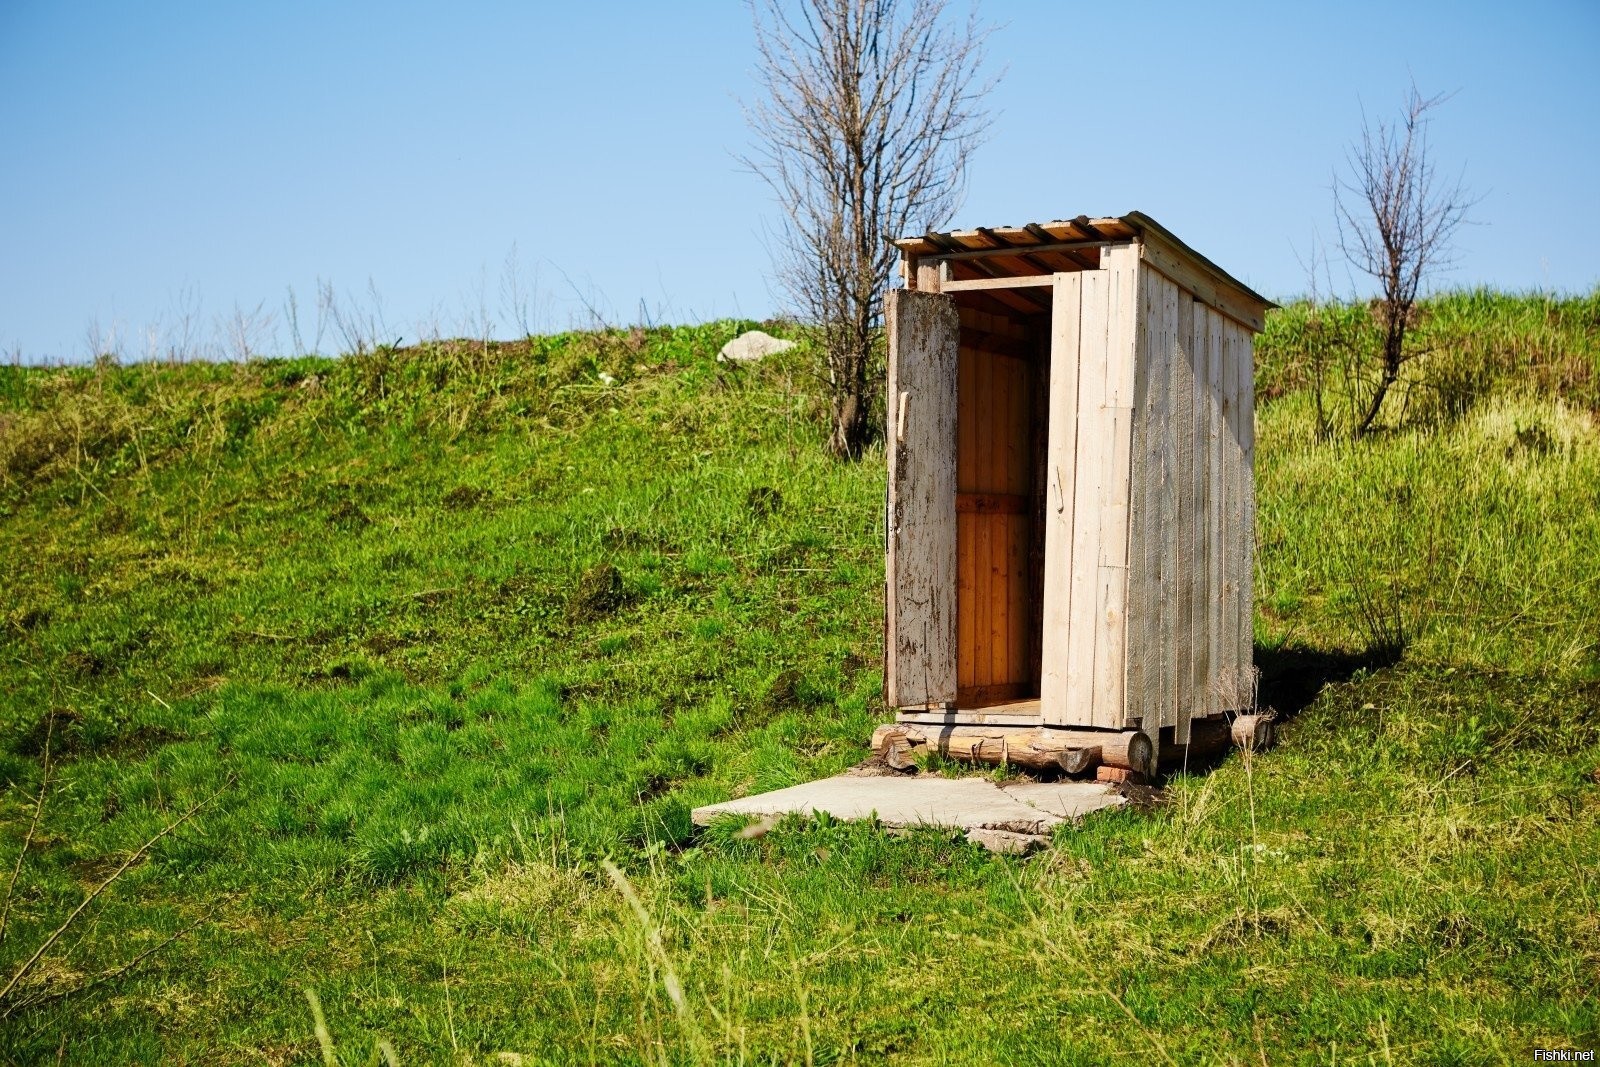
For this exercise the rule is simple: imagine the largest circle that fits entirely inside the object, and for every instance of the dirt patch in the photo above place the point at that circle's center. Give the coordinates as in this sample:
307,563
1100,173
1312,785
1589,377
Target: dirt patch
874,767
1142,798
27,620
84,662
465,497
763,501
599,594
348,516
63,734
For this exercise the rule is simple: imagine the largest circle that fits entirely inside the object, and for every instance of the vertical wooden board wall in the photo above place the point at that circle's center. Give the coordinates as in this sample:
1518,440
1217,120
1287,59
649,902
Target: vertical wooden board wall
1205,632
1185,524
1191,531
1061,471
1121,264
1245,369
1234,658
920,636
1190,534
1149,612
1088,457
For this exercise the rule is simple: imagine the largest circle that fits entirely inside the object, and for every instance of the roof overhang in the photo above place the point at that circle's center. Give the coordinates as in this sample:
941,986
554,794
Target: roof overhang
1065,244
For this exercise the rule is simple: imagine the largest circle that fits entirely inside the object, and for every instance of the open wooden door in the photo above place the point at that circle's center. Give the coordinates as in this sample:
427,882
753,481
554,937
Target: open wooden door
920,653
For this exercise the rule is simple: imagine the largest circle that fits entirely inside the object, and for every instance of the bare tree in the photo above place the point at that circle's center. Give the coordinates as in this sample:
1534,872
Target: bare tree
870,110
1396,223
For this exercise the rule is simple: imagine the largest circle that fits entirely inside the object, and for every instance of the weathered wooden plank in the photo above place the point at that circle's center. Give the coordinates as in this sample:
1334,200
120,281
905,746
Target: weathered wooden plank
1092,463
968,285
1205,511
1219,505
1145,459
1199,470
1167,577
1149,637
920,661
1232,526
1219,296
1247,540
1185,498
1060,459
1121,265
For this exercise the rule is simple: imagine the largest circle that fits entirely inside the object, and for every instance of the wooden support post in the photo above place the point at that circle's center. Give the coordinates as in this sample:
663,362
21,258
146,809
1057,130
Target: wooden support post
1210,739
1031,748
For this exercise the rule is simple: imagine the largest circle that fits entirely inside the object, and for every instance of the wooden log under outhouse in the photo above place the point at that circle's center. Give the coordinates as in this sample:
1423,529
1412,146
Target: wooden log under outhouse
1030,748
1211,739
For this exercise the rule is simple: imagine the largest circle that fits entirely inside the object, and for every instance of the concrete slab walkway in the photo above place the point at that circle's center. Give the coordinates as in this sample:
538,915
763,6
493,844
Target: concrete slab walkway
1012,817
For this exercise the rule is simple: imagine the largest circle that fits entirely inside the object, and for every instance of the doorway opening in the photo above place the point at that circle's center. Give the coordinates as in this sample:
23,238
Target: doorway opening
1001,419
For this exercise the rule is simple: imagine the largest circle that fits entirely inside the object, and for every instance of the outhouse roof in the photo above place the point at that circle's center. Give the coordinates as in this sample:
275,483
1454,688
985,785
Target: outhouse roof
1066,244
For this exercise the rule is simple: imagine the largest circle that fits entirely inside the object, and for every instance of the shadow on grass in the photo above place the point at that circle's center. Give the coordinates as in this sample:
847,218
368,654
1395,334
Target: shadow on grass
1293,675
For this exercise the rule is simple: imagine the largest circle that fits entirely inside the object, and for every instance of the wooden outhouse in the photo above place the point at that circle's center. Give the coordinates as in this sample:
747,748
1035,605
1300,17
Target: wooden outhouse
1071,498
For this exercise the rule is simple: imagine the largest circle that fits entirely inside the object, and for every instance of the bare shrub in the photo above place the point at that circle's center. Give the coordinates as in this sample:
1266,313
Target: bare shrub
1396,223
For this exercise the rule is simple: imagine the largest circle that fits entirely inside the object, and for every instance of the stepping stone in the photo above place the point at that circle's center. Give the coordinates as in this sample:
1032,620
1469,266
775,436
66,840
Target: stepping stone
1002,818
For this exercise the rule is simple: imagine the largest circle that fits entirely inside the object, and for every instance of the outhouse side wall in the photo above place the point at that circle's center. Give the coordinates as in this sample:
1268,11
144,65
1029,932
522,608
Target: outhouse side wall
1192,510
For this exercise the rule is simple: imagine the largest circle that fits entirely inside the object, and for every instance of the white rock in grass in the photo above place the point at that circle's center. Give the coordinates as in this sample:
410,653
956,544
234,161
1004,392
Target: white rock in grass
751,347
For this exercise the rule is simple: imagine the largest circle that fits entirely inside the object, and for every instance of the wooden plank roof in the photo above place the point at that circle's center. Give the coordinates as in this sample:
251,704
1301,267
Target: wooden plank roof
1061,238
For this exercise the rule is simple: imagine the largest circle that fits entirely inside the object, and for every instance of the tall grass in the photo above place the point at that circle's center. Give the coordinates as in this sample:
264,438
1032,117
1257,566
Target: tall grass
1464,348
455,627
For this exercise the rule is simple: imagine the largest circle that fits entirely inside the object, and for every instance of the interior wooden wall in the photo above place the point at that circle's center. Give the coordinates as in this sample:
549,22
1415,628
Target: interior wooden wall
997,507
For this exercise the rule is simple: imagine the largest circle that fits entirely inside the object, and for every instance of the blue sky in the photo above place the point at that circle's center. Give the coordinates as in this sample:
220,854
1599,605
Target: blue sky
172,162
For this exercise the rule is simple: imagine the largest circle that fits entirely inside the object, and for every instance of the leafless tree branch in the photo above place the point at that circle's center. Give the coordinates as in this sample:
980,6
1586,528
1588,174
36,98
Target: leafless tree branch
869,112
1397,221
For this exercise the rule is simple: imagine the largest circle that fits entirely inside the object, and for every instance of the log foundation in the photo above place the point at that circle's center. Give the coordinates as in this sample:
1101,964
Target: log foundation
1031,748
1048,749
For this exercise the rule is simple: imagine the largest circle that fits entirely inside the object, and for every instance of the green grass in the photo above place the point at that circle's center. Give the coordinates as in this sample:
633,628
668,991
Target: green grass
442,630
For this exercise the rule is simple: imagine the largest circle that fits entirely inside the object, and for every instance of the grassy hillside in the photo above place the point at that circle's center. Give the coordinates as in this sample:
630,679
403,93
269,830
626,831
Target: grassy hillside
430,635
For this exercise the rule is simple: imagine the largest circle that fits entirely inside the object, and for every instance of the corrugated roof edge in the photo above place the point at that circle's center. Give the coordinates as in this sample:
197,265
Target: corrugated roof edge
1135,221
1141,222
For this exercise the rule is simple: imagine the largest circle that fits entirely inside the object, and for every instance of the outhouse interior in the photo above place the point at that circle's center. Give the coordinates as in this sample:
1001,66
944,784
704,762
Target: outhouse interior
1069,477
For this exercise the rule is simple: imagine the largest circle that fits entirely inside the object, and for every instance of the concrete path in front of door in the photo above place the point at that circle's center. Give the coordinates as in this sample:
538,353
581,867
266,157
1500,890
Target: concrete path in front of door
1002,817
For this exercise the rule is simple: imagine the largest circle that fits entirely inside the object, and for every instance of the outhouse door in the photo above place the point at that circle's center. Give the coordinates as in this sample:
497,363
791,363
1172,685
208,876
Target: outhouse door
920,621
